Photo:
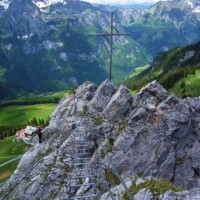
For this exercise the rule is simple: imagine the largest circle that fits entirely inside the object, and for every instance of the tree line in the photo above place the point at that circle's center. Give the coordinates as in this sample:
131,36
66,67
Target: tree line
33,102
167,79
10,130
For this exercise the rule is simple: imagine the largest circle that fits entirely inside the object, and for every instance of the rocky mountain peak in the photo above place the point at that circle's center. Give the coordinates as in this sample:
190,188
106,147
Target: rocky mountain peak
174,10
152,135
25,12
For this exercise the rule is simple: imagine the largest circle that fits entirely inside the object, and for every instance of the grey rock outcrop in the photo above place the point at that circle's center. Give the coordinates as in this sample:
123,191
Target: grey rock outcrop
188,195
103,95
152,134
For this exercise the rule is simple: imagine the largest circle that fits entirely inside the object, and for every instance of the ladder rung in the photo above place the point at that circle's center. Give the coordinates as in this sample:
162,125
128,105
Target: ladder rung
77,177
81,145
83,197
81,163
79,140
82,169
82,158
80,185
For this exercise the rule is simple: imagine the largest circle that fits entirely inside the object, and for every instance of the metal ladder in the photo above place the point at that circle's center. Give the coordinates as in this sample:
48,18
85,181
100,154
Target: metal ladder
82,176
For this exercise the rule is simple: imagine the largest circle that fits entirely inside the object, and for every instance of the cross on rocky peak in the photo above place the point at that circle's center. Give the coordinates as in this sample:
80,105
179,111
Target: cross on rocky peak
113,32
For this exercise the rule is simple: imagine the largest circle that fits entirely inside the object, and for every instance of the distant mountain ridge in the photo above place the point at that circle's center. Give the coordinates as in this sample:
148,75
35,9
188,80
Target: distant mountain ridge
48,45
113,7
172,68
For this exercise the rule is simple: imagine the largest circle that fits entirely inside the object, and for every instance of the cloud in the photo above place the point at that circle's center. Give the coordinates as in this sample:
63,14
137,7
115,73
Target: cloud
121,1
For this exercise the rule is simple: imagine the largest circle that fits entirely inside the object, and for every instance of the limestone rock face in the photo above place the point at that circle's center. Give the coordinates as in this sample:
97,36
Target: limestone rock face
187,195
118,105
103,95
152,135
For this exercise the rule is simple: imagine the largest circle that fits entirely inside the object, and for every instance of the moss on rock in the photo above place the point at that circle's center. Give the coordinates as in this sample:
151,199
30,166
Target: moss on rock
157,187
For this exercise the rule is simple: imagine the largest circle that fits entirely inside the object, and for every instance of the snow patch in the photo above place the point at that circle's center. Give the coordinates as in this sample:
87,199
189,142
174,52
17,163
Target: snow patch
165,48
197,9
4,4
131,55
52,45
190,3
63,56
24,37
47,3
8,47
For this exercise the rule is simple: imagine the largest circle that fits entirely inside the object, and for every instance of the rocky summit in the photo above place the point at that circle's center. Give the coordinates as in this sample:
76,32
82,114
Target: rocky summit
148,144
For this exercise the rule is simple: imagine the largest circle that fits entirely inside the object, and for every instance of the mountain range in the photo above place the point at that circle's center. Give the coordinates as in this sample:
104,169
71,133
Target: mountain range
113,7
50,45
177,70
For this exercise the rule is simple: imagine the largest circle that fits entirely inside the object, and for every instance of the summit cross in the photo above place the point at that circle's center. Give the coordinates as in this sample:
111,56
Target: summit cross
113,32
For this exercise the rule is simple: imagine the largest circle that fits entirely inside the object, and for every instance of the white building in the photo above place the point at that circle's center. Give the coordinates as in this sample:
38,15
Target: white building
26,133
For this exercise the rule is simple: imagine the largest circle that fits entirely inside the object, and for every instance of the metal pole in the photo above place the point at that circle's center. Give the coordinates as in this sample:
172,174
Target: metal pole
121,180
111,46
113,32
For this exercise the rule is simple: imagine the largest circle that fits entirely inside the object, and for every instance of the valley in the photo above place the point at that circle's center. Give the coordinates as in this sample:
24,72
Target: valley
50,47
177,70
17,114
10,149
140,129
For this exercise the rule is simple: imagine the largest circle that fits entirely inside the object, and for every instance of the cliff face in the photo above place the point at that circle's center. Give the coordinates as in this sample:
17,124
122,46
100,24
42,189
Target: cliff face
152,135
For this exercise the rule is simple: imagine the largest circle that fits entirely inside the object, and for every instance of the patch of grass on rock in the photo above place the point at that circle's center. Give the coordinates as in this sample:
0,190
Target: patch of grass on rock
157,187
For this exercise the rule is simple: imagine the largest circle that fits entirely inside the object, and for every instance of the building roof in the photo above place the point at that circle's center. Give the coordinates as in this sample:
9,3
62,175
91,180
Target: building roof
30,130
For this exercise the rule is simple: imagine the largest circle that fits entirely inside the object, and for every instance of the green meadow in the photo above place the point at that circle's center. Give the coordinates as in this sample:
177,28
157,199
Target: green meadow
192,86
7,170
138,70
20,114
20,111
10,148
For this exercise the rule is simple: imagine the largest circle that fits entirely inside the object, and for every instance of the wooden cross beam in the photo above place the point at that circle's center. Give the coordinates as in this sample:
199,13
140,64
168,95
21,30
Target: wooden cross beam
110,40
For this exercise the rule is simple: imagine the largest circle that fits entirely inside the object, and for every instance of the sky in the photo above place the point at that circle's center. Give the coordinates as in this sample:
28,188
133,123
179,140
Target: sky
122,1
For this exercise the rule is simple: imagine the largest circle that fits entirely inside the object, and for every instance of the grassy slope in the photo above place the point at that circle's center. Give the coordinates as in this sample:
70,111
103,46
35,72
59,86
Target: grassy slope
169,70
10,148
7,170
192,85
20,114
11,115
138,70
15,115
41,97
